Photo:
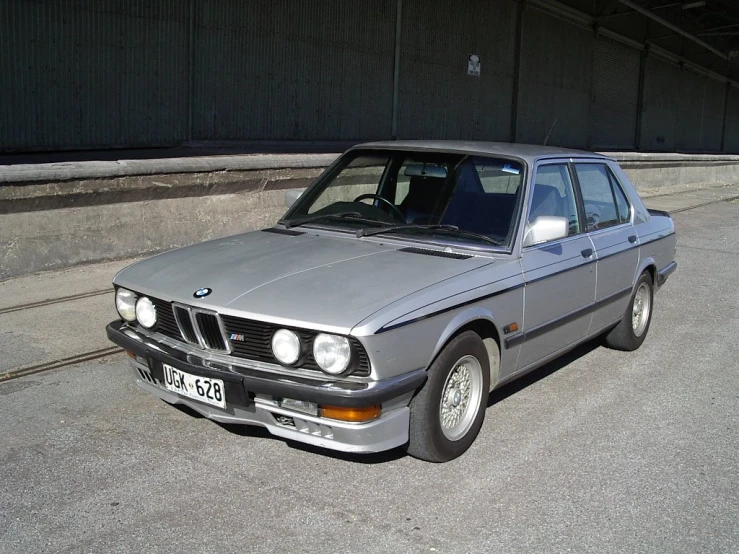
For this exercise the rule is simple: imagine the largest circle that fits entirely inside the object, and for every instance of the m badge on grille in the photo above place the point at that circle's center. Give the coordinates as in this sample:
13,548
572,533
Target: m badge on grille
236,336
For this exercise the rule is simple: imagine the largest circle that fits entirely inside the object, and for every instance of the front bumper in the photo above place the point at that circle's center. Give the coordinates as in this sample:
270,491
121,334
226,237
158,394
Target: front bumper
253,397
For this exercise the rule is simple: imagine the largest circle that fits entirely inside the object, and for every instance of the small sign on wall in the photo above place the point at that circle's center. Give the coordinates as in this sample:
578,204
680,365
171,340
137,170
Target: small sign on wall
473,65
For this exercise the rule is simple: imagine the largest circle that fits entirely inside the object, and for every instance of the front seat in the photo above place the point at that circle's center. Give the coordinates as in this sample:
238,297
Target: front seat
423,195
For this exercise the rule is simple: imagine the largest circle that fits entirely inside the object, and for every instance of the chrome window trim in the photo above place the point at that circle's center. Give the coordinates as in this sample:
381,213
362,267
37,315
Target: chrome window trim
611,228
551,243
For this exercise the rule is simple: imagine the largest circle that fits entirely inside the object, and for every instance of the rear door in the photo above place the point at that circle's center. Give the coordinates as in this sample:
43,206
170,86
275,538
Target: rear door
608,217
559,275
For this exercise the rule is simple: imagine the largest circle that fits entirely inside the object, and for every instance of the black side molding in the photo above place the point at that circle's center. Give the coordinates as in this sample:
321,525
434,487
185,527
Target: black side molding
544,328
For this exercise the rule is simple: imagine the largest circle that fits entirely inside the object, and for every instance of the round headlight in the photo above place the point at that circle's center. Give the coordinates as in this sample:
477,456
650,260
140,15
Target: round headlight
125,303
286,346
146,313
332,352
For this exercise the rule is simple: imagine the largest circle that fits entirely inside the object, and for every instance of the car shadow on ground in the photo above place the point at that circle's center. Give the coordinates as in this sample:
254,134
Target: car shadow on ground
496,396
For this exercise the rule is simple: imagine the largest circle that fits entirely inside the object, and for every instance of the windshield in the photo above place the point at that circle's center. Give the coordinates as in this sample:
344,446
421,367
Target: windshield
450,197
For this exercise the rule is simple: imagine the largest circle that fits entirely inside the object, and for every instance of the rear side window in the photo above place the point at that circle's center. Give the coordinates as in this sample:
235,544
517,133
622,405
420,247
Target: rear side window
622,205
604,201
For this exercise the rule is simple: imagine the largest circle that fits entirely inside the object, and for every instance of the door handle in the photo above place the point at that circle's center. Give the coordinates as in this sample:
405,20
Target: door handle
632,239
587,252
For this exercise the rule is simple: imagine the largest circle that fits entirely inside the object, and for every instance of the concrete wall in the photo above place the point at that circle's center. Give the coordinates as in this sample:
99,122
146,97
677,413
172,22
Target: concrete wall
69,214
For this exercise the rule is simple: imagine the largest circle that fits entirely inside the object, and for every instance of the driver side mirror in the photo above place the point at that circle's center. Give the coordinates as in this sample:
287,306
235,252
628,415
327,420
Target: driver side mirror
545,228
291,196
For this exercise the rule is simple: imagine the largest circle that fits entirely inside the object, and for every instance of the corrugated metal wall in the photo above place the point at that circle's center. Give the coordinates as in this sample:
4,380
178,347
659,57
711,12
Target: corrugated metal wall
660,105
293,70
94,73
689,128
115,73
731,134
615,95
556,74
438,99
713,115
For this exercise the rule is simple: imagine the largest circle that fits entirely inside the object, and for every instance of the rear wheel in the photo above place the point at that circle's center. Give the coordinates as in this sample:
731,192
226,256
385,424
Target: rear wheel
631,331
446,415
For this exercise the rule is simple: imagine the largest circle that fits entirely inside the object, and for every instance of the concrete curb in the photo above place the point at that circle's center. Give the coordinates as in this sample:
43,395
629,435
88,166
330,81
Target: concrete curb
70,171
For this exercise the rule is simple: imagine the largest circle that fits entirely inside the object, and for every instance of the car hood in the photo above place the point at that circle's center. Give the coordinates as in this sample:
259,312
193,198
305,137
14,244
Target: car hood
324,282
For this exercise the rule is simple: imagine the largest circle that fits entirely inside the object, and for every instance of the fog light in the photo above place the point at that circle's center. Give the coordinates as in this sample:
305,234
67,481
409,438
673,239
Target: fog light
366,413
300,406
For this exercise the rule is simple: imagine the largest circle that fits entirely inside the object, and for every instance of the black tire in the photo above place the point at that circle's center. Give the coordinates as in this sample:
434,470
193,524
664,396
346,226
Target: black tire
624,336
427,439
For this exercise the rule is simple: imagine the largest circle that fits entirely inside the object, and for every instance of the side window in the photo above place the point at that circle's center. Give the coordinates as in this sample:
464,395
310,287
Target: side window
622,205
600,197
553,195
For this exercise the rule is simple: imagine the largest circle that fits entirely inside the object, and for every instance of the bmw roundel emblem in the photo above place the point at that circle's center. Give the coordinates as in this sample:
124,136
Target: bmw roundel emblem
201,293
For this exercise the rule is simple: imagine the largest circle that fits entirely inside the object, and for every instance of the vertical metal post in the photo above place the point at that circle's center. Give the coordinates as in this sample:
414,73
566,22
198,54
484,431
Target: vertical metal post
726,115
396,69
191,73
516,69
640,97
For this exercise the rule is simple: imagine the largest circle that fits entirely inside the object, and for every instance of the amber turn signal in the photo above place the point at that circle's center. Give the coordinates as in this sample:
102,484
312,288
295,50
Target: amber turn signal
130,354
366,413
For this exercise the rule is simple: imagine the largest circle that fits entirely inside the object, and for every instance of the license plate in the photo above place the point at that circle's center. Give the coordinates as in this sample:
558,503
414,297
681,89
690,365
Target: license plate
204,389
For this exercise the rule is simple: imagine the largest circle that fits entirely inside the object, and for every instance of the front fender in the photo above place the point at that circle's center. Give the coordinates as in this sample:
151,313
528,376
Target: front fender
474,313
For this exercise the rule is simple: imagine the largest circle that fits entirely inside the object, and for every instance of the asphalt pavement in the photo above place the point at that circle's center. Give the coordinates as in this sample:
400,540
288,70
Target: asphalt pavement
601,451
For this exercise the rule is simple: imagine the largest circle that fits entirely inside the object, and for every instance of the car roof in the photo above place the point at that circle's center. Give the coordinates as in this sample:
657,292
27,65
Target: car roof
528,152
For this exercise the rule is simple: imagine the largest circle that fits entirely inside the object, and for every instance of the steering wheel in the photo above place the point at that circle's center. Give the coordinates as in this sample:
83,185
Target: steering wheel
592,216
396,211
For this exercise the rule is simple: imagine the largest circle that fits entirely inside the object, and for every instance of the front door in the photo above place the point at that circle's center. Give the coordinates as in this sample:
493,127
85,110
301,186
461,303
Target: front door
559,275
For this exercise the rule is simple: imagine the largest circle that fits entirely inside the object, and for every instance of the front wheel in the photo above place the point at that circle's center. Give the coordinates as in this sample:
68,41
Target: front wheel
447,413
631,331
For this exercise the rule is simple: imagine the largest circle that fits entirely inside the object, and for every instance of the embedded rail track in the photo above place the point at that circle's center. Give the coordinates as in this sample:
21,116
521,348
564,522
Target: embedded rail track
59,300
56,364
60,362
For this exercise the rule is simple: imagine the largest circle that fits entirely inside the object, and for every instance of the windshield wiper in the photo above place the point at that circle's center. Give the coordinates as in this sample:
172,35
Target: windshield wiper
450,229
288,223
